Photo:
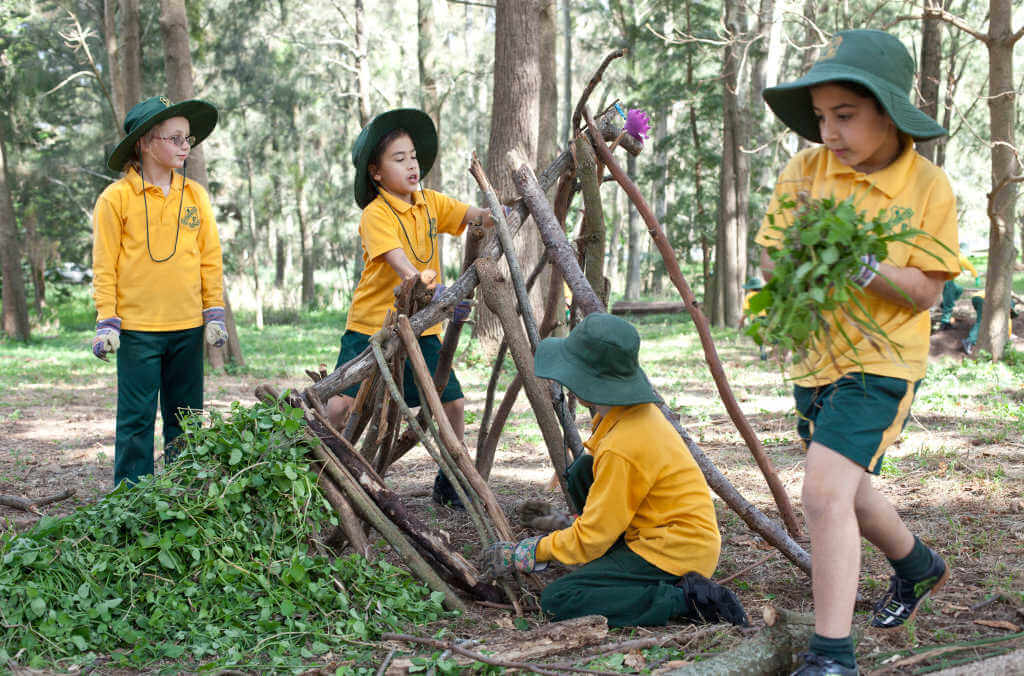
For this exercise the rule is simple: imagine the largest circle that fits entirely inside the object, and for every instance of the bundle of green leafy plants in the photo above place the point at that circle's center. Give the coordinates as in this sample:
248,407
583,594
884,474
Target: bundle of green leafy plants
823,243
208,564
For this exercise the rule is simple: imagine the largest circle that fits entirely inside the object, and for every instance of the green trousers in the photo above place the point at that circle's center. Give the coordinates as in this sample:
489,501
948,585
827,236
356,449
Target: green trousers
167,365
620,584
951,291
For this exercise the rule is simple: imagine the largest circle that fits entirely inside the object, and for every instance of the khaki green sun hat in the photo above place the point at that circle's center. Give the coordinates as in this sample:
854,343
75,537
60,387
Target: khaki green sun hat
598,361
201,116
419,127
874,59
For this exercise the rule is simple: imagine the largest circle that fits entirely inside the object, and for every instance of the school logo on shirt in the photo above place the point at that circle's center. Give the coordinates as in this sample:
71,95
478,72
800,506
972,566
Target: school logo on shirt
831,48
190,218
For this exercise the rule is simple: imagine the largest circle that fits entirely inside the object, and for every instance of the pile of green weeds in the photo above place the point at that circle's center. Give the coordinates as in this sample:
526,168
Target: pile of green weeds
822,245
208,564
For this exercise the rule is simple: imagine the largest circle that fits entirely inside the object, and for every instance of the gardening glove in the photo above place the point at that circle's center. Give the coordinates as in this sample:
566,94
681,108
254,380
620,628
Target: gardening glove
438,290
216,332
710,602
108,337
461,312
502,557
867,271
540,515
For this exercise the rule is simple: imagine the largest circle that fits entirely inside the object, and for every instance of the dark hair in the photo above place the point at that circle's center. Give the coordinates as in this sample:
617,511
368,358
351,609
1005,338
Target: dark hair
861,91
383,144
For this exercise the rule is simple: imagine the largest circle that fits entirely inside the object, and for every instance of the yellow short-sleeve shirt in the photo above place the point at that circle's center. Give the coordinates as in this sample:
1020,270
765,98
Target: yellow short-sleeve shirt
911,182
390,223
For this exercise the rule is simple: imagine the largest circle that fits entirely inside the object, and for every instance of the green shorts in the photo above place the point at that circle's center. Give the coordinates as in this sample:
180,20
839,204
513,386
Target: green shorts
353,344
857,416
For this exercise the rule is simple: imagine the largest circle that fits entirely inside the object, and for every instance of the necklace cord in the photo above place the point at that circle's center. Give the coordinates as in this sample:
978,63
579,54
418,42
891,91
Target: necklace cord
177,229
431,233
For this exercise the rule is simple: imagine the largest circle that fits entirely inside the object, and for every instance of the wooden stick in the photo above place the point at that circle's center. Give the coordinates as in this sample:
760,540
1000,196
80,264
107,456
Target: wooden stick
749,568
369,511
488,659
570,433
455,446
564,257
499,299
32,505
703,330
594,79
347,518
488,443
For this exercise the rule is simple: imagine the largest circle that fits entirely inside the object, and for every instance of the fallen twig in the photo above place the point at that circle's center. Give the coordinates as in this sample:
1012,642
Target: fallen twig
749,568
30,505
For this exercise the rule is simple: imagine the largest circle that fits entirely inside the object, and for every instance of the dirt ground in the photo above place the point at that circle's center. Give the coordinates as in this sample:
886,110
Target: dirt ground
967,504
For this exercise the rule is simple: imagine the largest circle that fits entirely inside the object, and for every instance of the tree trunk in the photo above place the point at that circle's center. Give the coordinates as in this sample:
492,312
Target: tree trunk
362,65
928,79
15,307
305,227
811,49
257,245
114,64
514,124
634,237
178,70
430,96
730,254
567,70
38,250
130,53
1005,167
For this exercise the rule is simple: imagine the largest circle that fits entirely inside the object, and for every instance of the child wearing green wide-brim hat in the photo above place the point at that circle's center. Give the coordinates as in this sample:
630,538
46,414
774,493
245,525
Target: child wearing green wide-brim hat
647,538
157,277
853,398
398,229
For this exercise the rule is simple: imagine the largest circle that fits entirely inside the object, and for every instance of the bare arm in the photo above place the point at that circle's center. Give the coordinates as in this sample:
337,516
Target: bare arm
915,289
474,214
400,263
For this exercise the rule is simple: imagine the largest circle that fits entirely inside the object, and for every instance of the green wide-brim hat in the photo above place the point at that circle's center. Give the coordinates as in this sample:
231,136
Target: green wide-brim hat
419,127
874,59
599,361
201,116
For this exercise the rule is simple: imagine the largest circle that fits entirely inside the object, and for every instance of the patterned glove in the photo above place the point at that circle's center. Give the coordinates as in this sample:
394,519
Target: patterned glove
710,602
502,557
461,312
867,271
438,290
108,337
216,332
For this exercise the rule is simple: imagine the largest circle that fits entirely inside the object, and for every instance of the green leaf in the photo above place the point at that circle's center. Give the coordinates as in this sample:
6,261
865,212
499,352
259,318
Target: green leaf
236,457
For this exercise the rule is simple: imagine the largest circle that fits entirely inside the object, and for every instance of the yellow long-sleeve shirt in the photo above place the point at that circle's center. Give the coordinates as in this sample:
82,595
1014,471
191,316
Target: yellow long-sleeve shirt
128,282
647,487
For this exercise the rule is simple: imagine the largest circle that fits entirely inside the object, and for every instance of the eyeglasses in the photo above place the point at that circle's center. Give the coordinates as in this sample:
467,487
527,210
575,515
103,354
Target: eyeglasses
178,140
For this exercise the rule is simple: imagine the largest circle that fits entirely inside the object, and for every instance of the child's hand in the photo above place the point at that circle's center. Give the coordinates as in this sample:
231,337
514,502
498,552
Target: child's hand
216,331
461,312
108,337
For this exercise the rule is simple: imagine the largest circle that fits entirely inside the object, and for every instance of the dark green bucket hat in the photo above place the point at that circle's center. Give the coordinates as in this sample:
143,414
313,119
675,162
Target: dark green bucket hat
420,128
754,283
598,361
201,116
874,59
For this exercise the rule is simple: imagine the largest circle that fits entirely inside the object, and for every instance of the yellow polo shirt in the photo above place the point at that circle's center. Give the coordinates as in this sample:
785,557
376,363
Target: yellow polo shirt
911,182
648,487
128,283
391,223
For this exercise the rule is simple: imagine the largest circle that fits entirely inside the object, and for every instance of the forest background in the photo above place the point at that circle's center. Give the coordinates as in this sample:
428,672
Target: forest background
295,82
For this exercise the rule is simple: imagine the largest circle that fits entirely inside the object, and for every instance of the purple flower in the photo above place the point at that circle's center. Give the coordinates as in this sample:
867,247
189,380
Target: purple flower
637,124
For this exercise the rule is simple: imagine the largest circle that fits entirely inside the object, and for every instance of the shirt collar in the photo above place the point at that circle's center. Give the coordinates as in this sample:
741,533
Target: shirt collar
136,181
890,180
400,205
602,425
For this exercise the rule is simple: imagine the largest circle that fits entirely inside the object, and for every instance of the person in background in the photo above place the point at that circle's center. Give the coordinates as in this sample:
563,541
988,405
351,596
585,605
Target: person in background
156,277
951,292
752,286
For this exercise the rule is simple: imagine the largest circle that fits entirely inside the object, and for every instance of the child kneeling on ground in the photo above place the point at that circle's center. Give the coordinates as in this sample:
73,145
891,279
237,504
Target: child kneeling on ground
647,537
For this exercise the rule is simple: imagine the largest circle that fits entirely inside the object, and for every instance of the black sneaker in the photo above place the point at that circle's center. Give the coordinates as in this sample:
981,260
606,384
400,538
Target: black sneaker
816,665
444,493
901,601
